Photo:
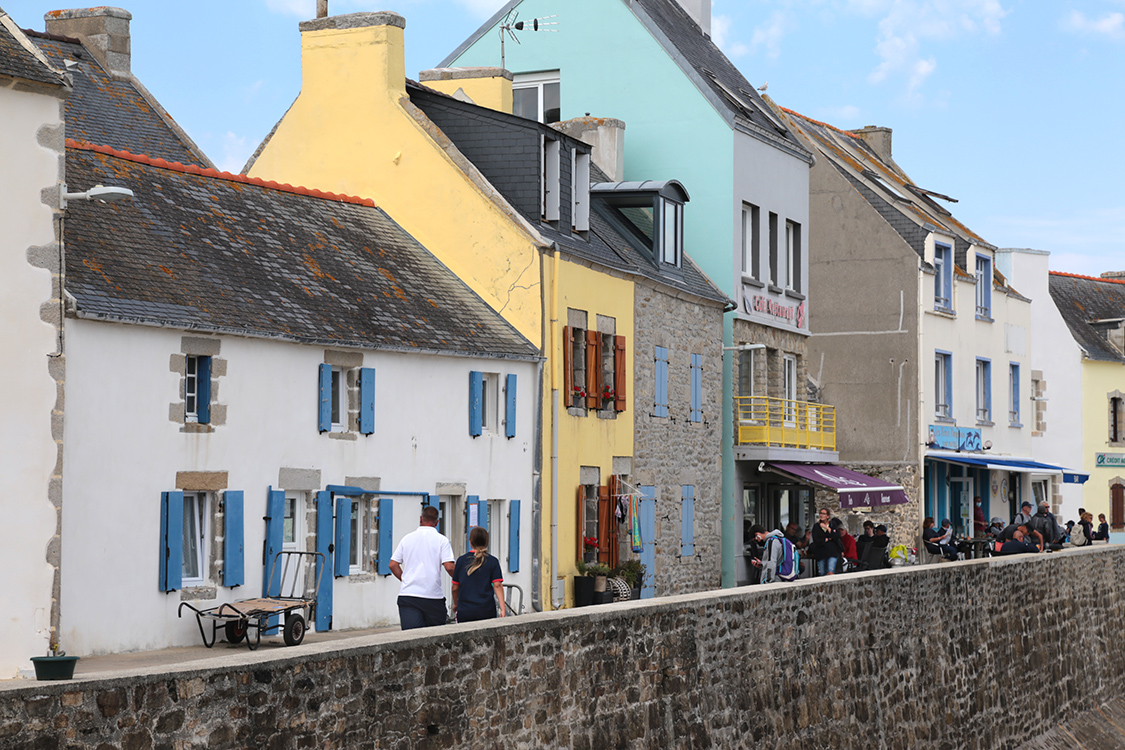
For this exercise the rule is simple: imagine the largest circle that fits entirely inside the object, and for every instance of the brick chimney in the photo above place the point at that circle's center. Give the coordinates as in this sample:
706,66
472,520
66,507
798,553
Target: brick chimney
879,139
364,51
606,135
488,87
700,11
104,31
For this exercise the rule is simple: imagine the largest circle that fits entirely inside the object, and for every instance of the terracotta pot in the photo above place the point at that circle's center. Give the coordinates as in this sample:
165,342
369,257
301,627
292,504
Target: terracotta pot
599,583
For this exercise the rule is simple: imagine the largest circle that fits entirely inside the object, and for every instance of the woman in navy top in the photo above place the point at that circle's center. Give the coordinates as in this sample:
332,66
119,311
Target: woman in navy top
478,583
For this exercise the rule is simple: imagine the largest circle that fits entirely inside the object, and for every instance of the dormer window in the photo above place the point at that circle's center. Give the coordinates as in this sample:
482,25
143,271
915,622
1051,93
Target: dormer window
672,234
536,96
649,213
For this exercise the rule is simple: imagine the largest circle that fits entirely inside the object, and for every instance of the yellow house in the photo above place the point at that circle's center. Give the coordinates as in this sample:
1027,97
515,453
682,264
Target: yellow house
526,249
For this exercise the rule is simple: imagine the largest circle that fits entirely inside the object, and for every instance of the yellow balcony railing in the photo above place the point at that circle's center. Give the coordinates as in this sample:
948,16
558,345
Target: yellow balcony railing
761,420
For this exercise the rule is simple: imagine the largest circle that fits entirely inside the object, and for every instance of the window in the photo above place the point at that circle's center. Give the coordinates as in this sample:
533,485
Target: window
1117,506
1115,415
751,241
489,402
580,192
537,96
660,391
551,186
197,389
984,391
672,232
1014,394
793,245
984,287
746,373
346,398
196,522
774,277
338,406
943,385
696,412
943,277
594,374
357,535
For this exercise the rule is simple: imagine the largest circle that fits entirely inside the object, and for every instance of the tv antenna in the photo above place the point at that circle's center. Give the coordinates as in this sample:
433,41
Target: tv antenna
511,24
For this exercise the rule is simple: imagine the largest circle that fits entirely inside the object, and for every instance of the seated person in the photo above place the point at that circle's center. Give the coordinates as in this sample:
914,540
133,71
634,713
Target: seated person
864,539
848,543
931,537
1017,545
881,539
995,527
1009,533
794,535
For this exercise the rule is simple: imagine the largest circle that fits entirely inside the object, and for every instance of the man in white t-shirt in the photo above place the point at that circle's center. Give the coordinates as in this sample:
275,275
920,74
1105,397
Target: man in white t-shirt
417,562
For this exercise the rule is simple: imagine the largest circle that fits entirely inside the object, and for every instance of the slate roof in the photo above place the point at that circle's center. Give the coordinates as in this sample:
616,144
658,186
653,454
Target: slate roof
1081,300
207,250
505,149
697,55
113,111
17,61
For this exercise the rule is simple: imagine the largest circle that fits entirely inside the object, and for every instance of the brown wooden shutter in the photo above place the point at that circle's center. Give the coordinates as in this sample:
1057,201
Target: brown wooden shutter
620,374
1117,492
593,369
568,367
604,519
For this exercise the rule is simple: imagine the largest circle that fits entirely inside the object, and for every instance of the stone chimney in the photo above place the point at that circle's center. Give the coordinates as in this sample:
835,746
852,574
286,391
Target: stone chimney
360,52
879,139
700,11
606,135
1113,275
488,87
104,31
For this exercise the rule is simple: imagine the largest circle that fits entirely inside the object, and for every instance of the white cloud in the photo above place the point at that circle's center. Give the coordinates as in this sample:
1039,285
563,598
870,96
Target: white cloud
1111,25
235,153
770,34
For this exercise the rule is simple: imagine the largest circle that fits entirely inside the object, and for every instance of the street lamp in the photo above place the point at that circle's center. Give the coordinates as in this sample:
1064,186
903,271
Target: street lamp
98,193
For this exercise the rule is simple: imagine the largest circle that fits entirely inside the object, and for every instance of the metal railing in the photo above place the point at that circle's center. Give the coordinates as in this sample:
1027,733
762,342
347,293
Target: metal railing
762,420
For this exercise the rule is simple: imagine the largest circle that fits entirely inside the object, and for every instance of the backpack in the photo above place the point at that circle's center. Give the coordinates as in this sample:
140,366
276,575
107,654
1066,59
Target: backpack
787,566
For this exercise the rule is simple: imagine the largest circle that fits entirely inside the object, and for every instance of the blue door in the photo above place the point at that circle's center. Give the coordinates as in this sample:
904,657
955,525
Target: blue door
648,540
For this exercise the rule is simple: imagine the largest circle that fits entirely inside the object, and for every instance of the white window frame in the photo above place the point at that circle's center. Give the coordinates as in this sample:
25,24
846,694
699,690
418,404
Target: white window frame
943,398
490,403
943,276
751,241
552,178
1013,393
495,519
671,228
984,390
358,508
191,388
339,399
746,372
792,254
537,81
984,287
197,509
789,375
580,192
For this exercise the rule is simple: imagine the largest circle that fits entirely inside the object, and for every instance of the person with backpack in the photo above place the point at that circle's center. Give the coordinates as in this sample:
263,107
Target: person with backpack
779,561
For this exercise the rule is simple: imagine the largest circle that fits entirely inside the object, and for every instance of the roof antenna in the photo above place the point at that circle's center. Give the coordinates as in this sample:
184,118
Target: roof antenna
322,8
511,24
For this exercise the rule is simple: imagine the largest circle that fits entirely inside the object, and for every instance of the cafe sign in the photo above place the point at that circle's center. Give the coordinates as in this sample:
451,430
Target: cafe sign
1109,459
794,315
952,438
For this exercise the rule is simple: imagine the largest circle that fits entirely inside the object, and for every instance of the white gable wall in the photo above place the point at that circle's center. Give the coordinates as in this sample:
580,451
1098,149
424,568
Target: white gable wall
124,450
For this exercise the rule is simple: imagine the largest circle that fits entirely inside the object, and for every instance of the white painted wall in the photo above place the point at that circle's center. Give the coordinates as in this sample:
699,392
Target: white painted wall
1054,352
123,451
27,392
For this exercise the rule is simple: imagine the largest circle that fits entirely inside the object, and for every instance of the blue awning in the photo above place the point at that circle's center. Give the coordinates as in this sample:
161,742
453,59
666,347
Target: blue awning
1014,464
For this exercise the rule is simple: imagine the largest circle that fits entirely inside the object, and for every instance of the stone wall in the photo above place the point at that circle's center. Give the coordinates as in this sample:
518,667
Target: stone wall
903,522
976,655
670,452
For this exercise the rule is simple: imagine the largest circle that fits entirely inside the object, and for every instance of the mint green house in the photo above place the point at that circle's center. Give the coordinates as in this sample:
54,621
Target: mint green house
690,115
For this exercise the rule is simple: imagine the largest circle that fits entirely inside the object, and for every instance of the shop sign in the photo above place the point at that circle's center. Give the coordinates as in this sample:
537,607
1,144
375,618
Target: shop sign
759,303
952,438
1109,459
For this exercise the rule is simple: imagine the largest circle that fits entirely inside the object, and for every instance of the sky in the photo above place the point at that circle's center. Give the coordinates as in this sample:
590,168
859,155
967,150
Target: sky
1013,107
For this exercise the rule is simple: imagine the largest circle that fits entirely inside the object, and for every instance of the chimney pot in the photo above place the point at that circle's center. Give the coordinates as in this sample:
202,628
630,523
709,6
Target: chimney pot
879,139
104,31
606,135
322,8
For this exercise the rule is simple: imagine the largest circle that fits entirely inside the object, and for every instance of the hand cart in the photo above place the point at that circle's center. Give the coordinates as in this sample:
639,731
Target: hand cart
249,617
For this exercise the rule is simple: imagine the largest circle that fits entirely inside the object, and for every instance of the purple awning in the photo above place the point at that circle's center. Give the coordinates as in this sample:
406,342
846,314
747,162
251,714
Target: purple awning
856,490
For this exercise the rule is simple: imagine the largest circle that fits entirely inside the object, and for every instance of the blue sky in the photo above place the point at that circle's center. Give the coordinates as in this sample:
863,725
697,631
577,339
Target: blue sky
1011,106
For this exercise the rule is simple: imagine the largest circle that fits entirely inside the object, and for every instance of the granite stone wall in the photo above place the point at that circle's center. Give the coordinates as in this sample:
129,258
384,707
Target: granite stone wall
670,452
977,655
903,522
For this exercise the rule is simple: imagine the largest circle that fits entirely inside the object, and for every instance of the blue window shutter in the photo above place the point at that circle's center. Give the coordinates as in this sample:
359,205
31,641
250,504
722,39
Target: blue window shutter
171,540
949,383
366,400
275,522
696,388
325,547
988,389
203,390
471,503
510,406
687,518
324,401
386,529
432,501
1016,392
476,391
514,536
482,516
343,535
234,539
661,406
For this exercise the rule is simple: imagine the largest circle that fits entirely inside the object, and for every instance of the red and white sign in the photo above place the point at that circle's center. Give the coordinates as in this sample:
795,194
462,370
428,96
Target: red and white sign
759,303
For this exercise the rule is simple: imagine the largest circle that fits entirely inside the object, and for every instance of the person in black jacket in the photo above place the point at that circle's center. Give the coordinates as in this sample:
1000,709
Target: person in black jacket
826,546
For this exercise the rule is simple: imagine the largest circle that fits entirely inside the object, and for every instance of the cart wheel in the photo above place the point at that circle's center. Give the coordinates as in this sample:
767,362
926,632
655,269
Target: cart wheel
235,631
294,630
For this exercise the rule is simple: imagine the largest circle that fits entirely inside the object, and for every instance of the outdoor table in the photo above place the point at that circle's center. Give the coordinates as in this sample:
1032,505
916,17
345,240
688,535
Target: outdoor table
978,548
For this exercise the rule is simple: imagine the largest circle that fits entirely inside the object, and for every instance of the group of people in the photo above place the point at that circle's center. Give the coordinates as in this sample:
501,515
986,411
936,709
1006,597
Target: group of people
827,543
1032,530
418,562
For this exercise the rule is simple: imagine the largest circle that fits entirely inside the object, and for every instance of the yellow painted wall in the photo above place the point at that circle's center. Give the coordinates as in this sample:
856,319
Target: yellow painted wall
1099,379
493,92
588,440
350,132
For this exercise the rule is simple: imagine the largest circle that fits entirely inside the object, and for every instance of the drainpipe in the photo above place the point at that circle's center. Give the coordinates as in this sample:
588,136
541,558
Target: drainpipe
554,318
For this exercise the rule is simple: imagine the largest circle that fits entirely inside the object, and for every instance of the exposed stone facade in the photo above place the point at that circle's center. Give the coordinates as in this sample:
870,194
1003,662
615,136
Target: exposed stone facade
769,377
903,522
839,663
670,452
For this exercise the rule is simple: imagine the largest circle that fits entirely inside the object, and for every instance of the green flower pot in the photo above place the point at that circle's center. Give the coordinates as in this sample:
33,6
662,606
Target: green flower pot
59,667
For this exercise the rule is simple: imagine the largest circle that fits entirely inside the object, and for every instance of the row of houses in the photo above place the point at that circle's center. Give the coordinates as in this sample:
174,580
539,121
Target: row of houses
540,297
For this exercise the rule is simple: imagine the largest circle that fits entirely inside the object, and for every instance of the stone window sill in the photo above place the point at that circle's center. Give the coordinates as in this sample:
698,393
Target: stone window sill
794,294
193,593
342,435
751,281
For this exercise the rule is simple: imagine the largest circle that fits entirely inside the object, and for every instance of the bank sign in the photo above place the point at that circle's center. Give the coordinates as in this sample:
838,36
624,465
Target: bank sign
1109,459
952,438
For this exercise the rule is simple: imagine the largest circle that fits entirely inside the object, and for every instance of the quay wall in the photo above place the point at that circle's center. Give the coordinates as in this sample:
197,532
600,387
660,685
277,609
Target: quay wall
980,654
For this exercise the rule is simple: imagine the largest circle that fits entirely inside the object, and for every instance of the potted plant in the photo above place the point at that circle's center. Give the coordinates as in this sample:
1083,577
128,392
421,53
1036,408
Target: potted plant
590,543
600,573
56,665
633,571
608,396
583,586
